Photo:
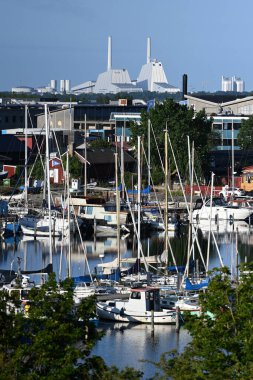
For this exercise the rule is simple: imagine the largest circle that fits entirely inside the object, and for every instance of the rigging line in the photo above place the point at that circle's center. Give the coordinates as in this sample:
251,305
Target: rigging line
183,191
179,176
83,246
22,172
38,155
161,160
134,224
156,198
160,211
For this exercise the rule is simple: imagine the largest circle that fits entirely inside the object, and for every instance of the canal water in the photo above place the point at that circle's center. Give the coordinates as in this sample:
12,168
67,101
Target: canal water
127,344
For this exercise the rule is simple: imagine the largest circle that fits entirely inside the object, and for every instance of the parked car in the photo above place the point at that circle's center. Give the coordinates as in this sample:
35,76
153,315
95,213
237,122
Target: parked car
228,192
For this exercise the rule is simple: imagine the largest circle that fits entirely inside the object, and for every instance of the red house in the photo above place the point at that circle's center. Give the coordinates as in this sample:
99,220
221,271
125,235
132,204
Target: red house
56,171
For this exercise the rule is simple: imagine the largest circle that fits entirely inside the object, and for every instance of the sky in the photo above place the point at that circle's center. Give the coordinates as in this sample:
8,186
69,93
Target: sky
67,39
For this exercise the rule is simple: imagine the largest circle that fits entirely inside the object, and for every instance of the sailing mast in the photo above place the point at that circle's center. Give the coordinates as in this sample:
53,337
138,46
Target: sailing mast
26,181
117,208
166,194
85,156
139,204
149,167
48,186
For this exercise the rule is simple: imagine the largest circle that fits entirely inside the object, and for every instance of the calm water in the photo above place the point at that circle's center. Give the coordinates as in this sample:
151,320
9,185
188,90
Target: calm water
126,345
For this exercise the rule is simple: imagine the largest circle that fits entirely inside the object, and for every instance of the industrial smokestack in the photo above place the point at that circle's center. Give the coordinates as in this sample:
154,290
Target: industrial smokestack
184,85
148,50
109,60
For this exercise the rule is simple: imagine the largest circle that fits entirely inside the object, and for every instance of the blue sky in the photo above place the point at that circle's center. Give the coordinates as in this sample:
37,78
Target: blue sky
67,39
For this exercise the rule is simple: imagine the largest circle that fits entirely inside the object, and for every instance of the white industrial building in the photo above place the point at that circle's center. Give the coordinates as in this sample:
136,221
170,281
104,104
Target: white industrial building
22,90
232,84
151,78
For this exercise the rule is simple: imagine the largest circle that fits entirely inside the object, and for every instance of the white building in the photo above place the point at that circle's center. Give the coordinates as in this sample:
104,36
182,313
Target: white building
232,84
152,76
22,90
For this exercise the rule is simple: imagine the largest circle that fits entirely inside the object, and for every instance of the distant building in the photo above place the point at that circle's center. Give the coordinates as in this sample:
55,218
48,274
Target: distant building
232,84
151,78
22,90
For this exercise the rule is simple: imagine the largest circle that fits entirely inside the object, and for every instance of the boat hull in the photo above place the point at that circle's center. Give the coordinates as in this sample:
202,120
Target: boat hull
104,311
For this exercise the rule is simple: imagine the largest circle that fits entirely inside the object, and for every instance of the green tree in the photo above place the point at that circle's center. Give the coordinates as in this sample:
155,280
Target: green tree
245,134
75,166
181,122
54,340
222,340
100,143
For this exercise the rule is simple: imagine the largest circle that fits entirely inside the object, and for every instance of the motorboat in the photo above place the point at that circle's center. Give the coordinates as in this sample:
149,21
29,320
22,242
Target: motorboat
143,306
39,231
220,210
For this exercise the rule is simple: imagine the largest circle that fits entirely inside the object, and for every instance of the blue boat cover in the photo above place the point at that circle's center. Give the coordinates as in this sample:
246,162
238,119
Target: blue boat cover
190,286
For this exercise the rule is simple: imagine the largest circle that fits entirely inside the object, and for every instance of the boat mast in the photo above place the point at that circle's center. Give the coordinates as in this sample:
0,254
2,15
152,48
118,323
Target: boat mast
68,195
117,208
191,174
139,202
85,156
233,160
210,224
122,169
149,168
48,186
166,193
26,181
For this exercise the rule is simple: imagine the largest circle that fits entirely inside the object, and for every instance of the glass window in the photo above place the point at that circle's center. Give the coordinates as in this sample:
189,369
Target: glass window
89,210
108,218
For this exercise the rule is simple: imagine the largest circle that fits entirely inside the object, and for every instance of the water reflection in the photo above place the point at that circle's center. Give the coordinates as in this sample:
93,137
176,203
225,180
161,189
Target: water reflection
131,344
35,253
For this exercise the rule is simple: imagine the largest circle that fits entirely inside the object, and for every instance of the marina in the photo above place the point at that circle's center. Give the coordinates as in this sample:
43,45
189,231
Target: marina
34,255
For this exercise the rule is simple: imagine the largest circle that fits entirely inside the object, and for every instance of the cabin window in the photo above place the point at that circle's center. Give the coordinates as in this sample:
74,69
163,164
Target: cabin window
136,295
24,294
108,218
89,210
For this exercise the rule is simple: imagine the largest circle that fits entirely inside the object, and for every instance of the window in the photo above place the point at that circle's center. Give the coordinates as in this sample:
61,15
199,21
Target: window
108,218
136,295
89,210
6,119
14,118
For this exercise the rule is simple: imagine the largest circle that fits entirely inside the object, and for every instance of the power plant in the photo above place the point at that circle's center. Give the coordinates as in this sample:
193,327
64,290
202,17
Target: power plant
112,81
151,78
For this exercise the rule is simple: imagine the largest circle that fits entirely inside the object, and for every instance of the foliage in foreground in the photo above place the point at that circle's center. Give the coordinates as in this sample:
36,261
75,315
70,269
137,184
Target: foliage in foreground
56,339
222,339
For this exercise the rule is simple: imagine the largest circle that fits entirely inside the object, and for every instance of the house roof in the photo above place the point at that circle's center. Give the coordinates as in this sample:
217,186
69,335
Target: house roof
105,156
11,144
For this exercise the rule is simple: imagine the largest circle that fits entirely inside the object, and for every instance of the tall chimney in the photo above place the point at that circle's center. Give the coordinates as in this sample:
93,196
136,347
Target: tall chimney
109,59
148,50
184,85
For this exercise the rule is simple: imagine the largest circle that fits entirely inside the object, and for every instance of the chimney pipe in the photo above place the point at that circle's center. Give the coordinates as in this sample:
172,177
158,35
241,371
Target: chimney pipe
109,59
184,85
148,50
